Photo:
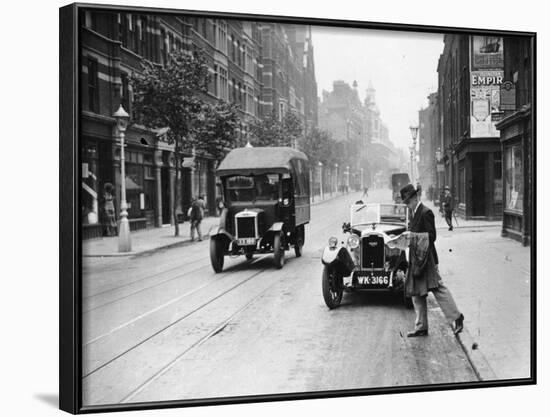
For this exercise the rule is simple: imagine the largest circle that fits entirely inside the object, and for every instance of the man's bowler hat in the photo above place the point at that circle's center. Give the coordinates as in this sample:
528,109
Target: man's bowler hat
448,188
407,192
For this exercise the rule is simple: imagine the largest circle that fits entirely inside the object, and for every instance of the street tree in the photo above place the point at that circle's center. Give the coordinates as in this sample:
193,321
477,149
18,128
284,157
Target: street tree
170,96
216,134
270,131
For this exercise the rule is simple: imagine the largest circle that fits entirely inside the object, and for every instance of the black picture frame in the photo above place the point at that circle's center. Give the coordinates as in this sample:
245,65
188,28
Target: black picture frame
70,272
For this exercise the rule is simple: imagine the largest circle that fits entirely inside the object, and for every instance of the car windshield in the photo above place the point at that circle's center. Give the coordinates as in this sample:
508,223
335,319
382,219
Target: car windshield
370,213
253,187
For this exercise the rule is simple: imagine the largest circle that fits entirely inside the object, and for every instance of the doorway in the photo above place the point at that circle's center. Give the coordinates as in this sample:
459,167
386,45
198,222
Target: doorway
478,184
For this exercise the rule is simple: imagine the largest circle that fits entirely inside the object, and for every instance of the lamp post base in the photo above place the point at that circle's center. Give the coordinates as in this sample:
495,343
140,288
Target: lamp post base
124,242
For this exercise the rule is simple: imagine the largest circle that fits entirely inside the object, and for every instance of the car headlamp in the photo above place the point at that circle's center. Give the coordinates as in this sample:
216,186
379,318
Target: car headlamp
353,241
333,242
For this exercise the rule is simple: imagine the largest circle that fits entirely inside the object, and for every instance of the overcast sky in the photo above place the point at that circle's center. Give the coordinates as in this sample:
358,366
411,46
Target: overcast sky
401,65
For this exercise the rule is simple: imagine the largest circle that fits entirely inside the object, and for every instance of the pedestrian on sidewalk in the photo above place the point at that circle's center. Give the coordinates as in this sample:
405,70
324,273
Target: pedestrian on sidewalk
419,190
448,207
422,278
365,192
109,213
196,214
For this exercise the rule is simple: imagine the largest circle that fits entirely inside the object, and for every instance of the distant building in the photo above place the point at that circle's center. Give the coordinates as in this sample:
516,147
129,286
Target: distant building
428,143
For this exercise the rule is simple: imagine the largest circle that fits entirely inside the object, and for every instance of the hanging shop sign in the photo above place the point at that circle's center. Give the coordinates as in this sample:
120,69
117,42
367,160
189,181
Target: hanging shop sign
508,96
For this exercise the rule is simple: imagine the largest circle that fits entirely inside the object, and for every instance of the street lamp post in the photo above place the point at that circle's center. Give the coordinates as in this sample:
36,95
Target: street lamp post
362,183
347,179
321,180
124,242
414,134
411,150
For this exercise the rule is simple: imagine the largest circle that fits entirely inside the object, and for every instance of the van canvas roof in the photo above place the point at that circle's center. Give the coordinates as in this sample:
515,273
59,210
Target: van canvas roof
260,160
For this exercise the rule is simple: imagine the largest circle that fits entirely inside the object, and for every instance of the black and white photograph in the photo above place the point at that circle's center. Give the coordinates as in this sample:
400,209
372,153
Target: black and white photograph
271,208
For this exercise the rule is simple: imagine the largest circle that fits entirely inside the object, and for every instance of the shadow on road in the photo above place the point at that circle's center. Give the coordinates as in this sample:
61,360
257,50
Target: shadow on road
357,299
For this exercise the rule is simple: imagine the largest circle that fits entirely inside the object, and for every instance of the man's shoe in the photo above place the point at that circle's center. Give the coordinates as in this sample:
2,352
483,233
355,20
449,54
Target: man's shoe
417,333
459,324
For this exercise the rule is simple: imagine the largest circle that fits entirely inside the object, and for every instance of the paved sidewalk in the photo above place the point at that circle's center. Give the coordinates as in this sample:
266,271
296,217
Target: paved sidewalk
440,222
149,240
490,279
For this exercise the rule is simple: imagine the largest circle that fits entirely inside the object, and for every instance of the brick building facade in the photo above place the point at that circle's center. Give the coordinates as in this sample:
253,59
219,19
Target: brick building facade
470,73
239,57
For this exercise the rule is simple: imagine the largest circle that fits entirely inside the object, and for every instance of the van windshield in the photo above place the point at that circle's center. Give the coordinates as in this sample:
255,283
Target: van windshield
253,187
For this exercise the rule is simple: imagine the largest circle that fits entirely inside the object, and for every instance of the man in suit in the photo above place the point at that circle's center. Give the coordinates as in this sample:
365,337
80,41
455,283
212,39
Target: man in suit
428,279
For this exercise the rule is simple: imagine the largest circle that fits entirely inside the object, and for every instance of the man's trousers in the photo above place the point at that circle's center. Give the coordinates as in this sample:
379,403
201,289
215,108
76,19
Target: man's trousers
445,301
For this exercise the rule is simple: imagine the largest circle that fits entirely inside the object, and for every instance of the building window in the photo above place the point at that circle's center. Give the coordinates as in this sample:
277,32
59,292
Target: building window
90,20
281,111
163,47
204,29
221,36
223,92
215,82
249,63
93,86
514,178
125,93
249,100
239,54
233,48
123,29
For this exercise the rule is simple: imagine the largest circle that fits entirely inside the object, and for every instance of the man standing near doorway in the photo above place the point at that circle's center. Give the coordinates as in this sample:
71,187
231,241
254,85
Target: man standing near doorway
448,207
424,277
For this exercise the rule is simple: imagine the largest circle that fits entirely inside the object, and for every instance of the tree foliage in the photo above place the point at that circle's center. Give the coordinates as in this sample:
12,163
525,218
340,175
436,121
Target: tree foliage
216,134
270,131
170,96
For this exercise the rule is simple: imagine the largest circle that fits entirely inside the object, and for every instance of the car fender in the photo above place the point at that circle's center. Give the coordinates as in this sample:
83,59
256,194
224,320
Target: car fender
339,258
219,230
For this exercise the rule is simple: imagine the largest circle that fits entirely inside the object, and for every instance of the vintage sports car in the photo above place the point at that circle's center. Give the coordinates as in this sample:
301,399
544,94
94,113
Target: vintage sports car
266,204
367,259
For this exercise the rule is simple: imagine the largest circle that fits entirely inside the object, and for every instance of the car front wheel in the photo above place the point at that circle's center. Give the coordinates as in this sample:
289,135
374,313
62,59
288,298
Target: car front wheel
332,287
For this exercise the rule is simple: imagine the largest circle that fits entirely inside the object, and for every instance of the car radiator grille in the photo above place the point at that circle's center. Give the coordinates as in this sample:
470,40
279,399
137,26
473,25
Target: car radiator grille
372,251
246,227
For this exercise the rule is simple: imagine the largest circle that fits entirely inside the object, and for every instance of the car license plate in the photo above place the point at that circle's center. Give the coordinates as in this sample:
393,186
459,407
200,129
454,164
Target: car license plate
374,280
246,241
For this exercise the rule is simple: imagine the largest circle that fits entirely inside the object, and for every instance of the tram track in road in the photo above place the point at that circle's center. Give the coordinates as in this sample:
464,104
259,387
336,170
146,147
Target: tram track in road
111,352
219,328
173,323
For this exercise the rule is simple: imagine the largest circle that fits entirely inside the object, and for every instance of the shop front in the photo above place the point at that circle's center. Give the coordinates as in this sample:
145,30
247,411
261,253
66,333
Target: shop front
478,180
516,148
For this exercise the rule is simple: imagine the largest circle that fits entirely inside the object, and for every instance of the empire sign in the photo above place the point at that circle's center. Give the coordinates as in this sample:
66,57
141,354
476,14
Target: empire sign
480,80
